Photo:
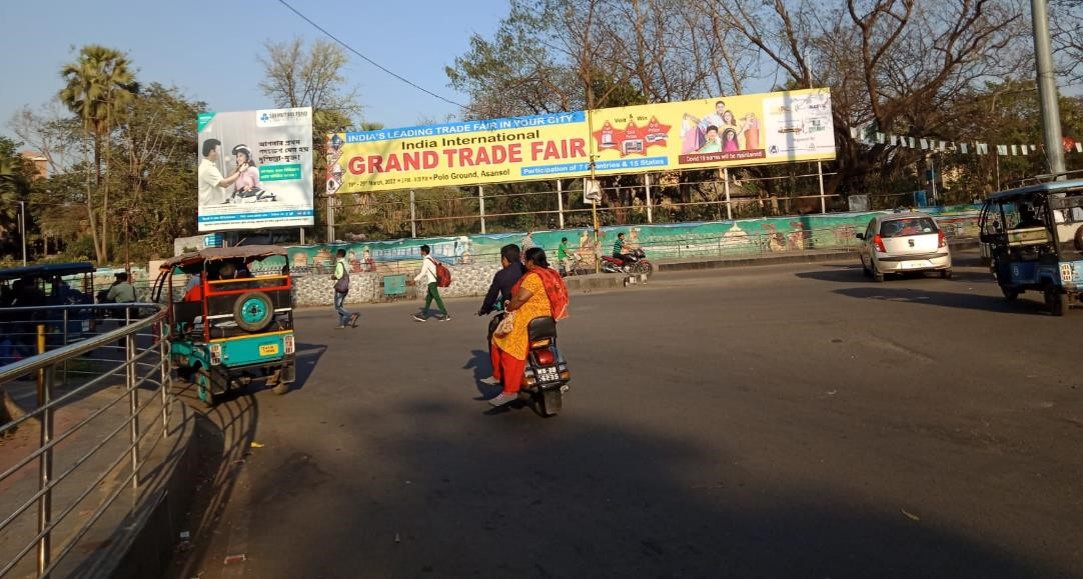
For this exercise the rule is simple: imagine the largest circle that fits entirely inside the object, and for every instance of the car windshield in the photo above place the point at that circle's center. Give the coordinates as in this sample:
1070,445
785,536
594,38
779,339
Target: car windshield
907,226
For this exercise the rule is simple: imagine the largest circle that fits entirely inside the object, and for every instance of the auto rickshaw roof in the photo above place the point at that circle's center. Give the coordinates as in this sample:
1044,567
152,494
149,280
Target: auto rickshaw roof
1042,189
212,254
47,270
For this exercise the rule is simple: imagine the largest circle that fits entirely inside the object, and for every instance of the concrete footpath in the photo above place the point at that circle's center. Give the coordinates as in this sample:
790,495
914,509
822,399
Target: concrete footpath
136,535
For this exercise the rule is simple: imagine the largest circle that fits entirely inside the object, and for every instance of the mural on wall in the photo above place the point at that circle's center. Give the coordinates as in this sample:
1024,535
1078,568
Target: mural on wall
664,241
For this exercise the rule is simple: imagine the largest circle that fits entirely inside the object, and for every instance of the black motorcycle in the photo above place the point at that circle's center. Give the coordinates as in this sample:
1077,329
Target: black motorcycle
546,375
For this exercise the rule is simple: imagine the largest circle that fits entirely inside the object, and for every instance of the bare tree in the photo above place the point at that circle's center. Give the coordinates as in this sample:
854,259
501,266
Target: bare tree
901,66
50,133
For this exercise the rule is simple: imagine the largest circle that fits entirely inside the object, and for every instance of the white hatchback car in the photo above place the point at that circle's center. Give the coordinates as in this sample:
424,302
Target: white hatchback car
903,242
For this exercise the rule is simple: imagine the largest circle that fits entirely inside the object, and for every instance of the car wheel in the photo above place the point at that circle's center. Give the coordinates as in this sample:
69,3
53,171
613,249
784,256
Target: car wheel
878,276
864,268
253,311
945,274
1055,301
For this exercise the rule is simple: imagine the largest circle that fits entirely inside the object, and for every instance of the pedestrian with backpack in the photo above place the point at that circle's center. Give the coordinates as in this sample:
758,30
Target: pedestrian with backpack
342,289
428,277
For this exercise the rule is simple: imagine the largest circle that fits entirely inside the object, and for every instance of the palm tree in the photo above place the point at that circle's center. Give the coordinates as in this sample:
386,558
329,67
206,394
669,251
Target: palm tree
98,87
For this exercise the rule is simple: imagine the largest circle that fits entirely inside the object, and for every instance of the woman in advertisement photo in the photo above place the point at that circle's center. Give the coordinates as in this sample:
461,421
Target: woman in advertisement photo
247,183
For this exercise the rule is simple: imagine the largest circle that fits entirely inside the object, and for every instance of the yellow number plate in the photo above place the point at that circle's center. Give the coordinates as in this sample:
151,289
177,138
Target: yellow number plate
268,349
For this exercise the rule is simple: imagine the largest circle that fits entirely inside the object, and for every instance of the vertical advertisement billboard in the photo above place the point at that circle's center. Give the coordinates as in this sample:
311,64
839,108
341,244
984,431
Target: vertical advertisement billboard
255,169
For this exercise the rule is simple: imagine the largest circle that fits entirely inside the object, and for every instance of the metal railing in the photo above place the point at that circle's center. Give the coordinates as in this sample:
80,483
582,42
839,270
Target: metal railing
84,377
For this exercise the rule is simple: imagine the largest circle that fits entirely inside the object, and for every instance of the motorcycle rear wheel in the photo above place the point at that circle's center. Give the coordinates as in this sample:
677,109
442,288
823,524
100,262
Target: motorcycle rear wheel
551,402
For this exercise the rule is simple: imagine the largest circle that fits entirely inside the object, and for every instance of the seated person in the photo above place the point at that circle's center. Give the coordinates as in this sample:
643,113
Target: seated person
1028,218
193,290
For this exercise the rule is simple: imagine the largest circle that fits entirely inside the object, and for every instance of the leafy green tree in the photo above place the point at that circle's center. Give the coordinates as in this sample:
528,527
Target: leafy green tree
97,88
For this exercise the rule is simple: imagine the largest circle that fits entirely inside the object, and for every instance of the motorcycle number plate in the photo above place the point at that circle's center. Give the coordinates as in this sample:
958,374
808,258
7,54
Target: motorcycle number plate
268,349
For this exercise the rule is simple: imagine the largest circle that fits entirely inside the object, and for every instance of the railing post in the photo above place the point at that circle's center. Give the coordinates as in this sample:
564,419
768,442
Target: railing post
133,397
45,468
64,374
165,361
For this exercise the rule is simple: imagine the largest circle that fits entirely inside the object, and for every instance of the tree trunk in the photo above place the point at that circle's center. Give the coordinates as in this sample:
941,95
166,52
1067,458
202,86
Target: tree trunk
91,216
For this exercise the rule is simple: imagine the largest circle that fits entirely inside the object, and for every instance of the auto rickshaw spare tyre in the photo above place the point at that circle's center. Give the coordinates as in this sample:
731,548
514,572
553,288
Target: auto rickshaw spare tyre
253,311
1079,238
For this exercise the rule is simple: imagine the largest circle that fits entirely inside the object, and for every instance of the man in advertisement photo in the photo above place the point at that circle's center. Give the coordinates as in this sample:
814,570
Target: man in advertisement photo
212,186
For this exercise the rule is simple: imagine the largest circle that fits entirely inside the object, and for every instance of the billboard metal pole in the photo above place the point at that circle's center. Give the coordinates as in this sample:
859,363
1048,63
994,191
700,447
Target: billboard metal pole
481,207
647,186
726,187
593,204
1047,89
330,218
413,214
560,204
820,173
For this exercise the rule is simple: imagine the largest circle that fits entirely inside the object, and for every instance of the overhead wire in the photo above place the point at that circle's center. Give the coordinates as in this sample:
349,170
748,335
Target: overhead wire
365,58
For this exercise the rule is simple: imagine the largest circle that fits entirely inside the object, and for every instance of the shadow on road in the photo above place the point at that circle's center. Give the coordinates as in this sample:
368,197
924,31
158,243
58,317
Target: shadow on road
482,366
515,496
230,438
308,356
968,301
851,274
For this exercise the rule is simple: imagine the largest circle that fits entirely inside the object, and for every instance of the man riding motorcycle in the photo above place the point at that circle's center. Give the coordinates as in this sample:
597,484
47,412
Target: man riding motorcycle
499,293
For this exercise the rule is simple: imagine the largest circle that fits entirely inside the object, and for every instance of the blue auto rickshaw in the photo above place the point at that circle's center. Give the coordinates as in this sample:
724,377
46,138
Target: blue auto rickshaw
1034,237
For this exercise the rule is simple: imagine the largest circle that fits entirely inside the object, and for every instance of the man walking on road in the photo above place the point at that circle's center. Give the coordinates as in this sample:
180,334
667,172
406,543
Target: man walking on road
427,278
342,289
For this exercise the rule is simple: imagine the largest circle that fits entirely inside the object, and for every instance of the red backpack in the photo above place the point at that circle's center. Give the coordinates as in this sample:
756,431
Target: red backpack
443,274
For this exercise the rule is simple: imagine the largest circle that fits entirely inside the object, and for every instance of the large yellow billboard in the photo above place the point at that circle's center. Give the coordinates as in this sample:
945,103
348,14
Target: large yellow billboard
458,154
711,133
728,131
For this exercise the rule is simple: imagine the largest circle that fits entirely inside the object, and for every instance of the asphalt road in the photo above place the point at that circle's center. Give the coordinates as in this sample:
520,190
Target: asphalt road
783,421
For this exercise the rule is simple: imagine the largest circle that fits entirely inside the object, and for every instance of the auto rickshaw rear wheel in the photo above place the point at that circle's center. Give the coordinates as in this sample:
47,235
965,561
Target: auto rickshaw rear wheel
204,390
1056,301
253,311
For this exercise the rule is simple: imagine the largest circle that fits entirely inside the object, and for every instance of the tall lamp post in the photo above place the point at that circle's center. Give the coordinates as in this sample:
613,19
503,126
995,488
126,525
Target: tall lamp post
1047,89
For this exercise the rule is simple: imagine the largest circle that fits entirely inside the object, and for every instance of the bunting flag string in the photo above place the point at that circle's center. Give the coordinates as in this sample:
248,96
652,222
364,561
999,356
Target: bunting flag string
870,137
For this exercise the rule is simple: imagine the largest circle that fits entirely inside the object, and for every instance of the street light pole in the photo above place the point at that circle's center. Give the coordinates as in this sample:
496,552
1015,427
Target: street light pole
1047,89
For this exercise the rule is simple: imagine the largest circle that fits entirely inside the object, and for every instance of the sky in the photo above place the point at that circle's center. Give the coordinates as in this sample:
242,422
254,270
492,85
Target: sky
212,55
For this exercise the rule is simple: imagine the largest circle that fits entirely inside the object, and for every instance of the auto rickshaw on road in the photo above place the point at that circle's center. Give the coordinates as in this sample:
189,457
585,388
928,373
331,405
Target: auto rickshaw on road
1034,235
229,326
